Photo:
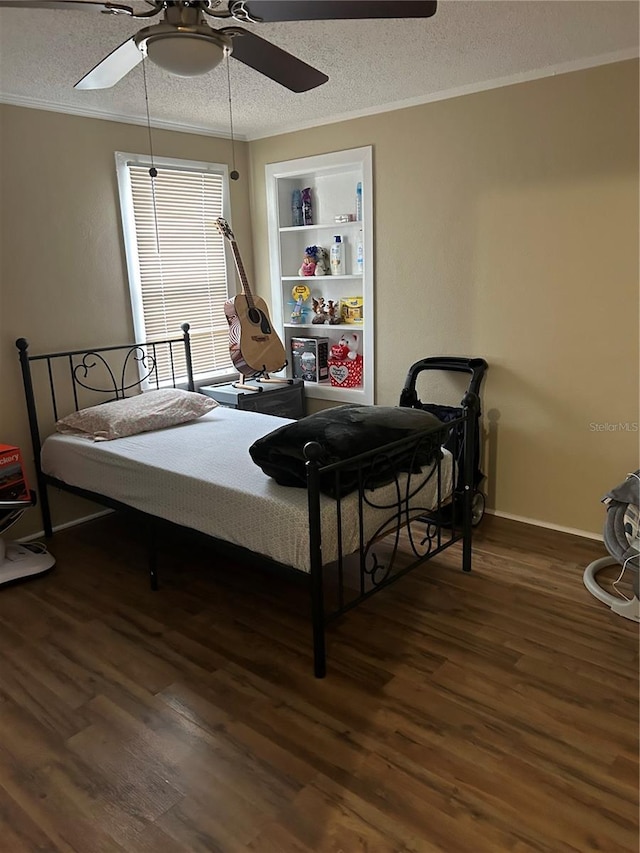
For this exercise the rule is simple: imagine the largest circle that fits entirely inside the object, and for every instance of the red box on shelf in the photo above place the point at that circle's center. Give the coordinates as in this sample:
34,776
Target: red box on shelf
346,372
13,480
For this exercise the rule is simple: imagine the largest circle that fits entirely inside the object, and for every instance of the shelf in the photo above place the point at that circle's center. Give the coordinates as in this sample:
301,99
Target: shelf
319,278
334,226
325,326
327,391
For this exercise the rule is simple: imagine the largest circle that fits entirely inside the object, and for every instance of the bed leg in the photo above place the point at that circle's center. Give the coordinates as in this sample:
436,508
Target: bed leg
152,554
466,534
45,509
471,405
313,454
42,494
317,618
153,573
319,650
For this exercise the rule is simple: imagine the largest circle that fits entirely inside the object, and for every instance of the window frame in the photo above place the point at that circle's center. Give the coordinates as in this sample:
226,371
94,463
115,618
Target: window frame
123,160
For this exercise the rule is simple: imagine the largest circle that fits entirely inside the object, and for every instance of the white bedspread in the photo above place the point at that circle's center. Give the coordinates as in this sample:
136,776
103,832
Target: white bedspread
200,475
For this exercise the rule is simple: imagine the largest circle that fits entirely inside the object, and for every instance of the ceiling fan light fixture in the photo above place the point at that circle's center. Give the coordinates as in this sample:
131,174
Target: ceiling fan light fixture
185,54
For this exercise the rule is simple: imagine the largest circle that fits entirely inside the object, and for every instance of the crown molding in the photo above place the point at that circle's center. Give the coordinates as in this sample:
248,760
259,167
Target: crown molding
445,94
460,91
35,104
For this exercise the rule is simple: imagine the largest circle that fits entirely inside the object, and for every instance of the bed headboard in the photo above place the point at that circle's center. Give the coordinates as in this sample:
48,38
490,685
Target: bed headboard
58,383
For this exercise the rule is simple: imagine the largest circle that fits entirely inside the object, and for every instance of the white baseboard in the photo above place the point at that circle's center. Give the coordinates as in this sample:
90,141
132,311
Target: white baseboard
74,523
537,523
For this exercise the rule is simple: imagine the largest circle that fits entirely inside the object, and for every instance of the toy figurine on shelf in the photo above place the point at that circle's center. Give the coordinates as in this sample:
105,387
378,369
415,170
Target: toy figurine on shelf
315,261
308,267
333,313
325,312
300,294
318,310
296,314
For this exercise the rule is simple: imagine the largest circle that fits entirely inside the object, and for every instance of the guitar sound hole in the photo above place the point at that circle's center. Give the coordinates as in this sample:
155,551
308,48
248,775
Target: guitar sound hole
254,315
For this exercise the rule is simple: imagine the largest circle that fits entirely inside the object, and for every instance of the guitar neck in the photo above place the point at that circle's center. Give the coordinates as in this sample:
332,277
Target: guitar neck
243,276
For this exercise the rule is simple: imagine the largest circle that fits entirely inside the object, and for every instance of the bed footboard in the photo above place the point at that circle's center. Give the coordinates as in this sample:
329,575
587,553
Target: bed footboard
430,510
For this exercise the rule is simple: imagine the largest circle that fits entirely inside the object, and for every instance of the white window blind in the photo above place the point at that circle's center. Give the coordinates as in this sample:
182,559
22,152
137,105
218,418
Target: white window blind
176,255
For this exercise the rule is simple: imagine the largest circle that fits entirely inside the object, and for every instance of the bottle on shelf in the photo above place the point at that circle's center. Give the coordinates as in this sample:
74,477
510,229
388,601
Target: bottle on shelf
359,201
337,266
359,254
296,208
307,207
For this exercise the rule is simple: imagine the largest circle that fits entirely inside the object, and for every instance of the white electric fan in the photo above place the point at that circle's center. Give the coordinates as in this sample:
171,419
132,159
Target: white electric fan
20,561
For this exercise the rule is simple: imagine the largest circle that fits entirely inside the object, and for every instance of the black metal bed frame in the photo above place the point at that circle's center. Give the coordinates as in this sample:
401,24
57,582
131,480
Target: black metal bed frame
409,534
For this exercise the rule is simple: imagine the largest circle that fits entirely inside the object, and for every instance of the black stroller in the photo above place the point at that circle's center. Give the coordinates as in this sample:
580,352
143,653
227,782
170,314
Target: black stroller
455,441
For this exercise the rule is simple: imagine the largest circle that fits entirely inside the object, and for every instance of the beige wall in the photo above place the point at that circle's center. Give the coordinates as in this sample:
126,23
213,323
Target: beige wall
63,278
506,225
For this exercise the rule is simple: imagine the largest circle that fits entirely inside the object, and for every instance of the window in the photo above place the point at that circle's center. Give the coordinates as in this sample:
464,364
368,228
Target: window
176,256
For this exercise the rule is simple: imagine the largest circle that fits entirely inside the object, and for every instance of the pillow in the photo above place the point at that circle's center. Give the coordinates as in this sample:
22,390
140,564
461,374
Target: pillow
145,412
345,432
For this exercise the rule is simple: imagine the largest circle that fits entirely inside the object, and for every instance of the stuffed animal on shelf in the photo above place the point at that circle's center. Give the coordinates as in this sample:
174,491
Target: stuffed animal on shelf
349,344
323,265
315,261
308,267
339,352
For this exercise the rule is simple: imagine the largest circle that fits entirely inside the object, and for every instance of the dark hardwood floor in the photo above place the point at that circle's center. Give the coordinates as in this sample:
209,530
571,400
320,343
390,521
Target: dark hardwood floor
496,711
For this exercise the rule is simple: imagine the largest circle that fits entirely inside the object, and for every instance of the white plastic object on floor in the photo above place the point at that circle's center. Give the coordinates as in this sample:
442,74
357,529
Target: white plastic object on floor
22,561
629,608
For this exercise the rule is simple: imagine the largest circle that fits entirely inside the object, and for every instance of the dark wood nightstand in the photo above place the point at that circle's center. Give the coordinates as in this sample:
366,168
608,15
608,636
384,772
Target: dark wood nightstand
283,400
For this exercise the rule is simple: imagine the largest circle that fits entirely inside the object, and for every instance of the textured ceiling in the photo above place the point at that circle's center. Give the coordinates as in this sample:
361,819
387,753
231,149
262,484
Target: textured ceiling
372,65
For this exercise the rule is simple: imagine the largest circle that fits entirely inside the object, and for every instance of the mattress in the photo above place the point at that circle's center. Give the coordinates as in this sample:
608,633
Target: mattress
200,475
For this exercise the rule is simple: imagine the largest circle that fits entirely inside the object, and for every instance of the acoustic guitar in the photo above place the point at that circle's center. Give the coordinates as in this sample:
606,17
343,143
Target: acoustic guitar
254,346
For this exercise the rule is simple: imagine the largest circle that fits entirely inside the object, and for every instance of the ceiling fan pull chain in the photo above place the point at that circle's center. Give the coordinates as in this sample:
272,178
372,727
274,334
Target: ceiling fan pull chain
234,173
153,172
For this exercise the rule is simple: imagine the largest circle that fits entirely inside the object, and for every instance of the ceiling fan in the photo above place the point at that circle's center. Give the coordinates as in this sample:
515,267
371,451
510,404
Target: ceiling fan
184,44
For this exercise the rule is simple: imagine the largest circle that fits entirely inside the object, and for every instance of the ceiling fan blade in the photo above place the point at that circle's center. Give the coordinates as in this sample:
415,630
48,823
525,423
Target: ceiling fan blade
274,62
75,5
112,68
332,10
